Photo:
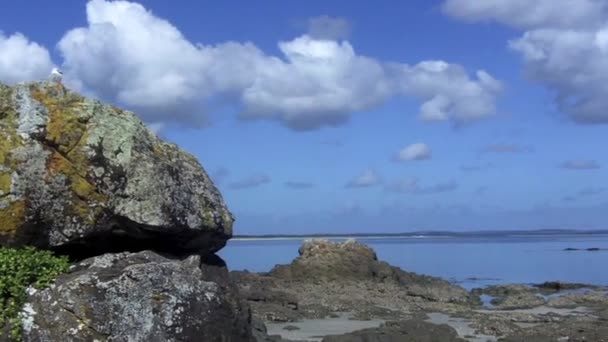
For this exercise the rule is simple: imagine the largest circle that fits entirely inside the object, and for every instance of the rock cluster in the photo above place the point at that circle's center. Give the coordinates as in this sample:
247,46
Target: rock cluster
140,218
352,261
347,276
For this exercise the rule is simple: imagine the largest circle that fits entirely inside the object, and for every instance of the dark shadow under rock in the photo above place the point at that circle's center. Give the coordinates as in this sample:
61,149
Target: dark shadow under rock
125,238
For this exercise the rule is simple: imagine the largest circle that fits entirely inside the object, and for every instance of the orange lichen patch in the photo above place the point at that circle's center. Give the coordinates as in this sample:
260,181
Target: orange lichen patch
85,196
66,132
81,210
6,180
9,139
65,128
80,186
159,151
12,218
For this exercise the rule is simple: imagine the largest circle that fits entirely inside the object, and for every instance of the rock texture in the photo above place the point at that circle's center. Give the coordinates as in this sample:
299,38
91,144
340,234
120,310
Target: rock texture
138,297
344,277
408,331
350,260
86,176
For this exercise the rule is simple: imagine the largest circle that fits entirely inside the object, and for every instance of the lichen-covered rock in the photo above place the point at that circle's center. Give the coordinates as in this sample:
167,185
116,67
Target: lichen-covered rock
77,173
138,297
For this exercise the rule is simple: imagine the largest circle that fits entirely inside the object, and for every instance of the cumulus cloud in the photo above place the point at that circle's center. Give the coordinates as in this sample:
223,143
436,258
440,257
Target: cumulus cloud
366,179
526,14
327,27
413,186
504,148
417,151
563,47
22,60
299,185
572,64
580,164
128,55
250,182
447,92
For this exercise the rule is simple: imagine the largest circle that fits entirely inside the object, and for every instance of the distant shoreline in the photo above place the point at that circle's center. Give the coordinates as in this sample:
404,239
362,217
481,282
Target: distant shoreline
429,234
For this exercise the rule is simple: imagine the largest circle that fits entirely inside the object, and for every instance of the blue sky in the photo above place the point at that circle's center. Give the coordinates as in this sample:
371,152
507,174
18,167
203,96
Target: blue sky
350,116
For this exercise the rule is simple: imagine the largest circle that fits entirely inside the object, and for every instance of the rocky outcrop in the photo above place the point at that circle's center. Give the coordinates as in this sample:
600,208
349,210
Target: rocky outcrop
139,217
351,261
81,176
343,277
138,297
511,296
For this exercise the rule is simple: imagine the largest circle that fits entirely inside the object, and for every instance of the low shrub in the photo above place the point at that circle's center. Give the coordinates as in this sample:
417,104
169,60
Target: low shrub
19,269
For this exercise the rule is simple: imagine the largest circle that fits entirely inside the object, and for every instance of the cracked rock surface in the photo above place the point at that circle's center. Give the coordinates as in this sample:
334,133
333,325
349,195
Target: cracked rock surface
85,176
138,297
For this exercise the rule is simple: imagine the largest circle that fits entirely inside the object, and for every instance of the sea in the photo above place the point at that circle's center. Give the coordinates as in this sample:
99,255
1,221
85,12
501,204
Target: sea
471,262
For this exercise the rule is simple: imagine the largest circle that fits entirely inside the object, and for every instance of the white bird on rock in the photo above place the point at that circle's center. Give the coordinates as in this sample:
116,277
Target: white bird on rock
56,75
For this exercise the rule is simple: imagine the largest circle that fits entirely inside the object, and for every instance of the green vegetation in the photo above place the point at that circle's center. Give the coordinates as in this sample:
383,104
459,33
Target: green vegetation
20,268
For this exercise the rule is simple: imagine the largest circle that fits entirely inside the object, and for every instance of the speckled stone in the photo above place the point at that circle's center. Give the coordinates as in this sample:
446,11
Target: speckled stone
137,297
77,172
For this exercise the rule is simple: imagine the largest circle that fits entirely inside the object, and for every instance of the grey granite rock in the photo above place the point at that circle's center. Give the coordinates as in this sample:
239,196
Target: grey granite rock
86,177
138,297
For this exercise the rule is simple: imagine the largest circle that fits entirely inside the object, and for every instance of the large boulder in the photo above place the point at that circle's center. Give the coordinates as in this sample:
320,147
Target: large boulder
139,297
83,176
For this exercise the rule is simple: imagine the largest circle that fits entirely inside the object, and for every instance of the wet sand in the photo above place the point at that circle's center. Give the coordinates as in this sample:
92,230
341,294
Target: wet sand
316,329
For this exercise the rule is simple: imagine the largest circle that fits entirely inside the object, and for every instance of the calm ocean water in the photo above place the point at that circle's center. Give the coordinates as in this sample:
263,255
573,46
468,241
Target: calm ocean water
471,262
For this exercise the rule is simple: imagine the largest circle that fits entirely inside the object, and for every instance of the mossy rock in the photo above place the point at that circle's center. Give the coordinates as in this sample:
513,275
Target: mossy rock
81,175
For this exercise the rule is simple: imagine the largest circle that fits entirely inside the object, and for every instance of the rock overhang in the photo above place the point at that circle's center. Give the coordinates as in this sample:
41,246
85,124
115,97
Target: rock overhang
78,173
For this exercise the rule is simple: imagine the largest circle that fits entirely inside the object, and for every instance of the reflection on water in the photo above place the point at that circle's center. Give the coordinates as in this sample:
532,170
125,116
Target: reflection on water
471,262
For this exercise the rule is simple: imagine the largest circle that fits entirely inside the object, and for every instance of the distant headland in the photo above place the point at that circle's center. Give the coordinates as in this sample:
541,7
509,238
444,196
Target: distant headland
494,234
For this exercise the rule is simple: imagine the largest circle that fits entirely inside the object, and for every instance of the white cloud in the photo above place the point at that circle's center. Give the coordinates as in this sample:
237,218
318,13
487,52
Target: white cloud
417,151
128,55
326,27
528,14
366,179
564,47
571,63
448,92
321,82
22,60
